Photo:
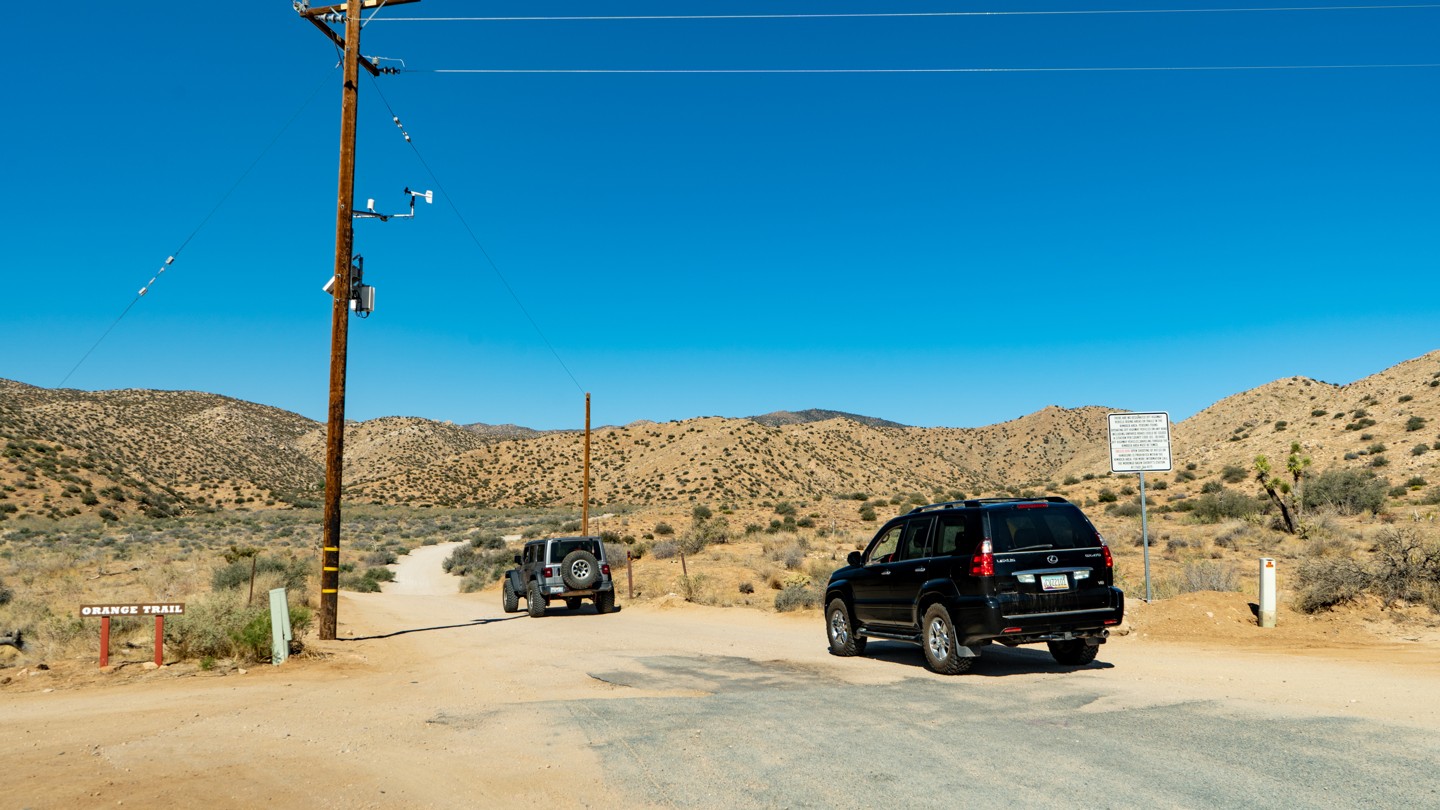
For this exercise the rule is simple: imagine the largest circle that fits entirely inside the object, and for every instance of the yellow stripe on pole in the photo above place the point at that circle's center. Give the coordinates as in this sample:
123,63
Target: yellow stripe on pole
332,548
331,568
328,590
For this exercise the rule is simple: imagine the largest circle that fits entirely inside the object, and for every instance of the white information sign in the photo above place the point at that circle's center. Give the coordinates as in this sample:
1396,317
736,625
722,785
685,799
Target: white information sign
1140,442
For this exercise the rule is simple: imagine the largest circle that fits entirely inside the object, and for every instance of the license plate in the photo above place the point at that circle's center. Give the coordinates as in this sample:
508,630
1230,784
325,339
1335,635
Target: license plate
1054,582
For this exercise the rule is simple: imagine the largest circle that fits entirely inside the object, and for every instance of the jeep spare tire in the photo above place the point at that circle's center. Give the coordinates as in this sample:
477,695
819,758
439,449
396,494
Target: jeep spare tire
580,570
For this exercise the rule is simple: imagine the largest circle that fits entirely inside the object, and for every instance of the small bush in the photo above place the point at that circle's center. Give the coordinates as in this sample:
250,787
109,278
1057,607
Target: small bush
1414,423
1349,492
1224,505
796,597
1419,449
1204,575
1233,474
665,549
663,529
747,588
1404,567
1107,496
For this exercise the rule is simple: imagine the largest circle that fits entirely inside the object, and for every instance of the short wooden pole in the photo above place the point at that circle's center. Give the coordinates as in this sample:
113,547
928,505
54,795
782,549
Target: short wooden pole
683,570
104,641
630,572
159,641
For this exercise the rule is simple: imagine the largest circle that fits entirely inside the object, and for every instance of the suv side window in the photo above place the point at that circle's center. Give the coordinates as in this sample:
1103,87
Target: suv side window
883,551
953,537
915,542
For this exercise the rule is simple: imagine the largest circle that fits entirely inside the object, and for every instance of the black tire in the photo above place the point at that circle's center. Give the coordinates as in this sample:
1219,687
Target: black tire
937,639
840,629
605,602
572,603
580,570
1073,653
509,600
534,602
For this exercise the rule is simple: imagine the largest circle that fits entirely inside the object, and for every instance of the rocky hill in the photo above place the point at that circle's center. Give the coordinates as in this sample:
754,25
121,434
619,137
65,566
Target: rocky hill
117,452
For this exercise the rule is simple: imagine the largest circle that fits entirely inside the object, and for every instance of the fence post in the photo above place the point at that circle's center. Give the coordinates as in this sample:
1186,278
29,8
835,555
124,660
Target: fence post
630,572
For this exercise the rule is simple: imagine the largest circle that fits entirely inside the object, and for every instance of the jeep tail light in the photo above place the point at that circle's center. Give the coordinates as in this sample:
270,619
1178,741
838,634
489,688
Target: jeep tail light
605,569
983,563
549,572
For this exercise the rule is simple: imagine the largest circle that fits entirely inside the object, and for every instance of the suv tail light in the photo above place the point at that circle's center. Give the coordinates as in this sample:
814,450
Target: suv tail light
549,572
983,563
605,569
1105,549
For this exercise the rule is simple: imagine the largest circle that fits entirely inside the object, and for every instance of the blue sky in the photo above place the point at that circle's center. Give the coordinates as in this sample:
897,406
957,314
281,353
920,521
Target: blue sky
949,249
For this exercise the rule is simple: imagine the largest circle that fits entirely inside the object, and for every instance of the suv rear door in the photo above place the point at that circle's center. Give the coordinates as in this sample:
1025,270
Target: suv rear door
1049,557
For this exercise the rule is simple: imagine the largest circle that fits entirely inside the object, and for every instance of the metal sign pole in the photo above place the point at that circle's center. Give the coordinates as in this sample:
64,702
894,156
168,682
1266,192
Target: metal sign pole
1145,536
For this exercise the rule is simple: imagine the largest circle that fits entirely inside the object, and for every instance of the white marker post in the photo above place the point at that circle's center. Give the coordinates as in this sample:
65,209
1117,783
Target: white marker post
1267,592
1140,443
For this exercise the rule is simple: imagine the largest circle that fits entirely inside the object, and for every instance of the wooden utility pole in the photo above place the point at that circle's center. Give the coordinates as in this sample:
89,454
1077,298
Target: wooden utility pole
340,309
585,498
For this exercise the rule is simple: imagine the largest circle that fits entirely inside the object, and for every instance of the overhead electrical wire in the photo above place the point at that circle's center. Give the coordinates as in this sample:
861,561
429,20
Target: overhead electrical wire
902,14
504,282
1096,69
170,260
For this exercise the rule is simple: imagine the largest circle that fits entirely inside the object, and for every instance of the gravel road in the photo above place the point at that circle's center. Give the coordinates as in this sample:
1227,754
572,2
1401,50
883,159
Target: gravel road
442,700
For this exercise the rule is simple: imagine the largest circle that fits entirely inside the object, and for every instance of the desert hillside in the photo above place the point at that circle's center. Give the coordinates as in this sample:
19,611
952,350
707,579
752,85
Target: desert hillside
157,452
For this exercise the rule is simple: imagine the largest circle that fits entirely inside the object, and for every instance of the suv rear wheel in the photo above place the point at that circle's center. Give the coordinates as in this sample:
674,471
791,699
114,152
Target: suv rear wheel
841,630
1075,652
937,638
509,600
534,602
605,602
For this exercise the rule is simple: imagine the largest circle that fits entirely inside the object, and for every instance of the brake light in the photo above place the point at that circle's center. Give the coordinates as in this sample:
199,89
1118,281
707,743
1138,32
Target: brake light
1032,506
549,572
605,569
983,563
1012,629
1105,550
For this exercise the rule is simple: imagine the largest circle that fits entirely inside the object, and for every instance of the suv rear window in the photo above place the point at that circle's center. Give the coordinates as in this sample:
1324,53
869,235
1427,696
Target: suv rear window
560,548
1034,528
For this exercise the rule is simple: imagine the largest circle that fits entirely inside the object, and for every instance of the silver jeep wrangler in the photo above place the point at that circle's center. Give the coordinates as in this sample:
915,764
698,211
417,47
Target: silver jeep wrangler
566,568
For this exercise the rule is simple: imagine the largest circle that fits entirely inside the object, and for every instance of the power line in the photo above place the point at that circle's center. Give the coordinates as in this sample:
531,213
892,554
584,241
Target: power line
902,14
1100,69
504,282
170,260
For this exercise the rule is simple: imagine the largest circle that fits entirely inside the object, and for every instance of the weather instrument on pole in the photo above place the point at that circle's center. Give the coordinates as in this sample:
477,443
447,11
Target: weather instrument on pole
371,213
362,295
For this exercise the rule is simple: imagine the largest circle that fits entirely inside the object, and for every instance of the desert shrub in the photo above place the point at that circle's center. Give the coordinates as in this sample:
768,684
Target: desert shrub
291,572
1325,583
1379,461
1280,424
784,508
1403,566
1233,474
867,513
1419,449
1414,423
747,587
701,512
1211,486
664,529
796,596
1319,412
1107,496
1348,492
6,594
1071,481
479,563
1127,509
381,556
220,625
1214,507
665,549
1204,575
1432,497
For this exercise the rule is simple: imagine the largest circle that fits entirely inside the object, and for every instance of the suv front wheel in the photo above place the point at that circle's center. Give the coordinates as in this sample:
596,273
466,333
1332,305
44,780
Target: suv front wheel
509,600
841,630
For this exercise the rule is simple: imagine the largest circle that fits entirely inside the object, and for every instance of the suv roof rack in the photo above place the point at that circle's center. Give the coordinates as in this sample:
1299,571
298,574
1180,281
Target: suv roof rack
974,502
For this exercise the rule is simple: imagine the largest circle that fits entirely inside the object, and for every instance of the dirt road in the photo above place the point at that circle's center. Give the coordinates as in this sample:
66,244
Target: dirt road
441,700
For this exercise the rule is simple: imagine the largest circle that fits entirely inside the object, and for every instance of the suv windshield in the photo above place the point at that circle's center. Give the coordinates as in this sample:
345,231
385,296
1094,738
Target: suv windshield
1033,528
560,548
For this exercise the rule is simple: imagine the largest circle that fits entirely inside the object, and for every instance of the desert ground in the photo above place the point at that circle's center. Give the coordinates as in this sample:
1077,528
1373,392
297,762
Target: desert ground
433,698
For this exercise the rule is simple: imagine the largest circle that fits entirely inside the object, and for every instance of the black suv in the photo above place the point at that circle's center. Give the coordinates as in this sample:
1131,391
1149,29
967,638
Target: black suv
566,568
955,576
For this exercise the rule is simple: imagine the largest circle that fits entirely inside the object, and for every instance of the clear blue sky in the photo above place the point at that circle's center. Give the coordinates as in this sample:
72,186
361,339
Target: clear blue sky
949,249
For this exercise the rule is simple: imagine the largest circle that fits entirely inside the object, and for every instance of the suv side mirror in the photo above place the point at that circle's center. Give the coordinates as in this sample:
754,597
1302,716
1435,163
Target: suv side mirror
517,559
855,558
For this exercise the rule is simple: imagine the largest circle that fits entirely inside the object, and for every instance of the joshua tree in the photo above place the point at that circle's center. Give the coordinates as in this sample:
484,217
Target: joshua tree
1275,488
